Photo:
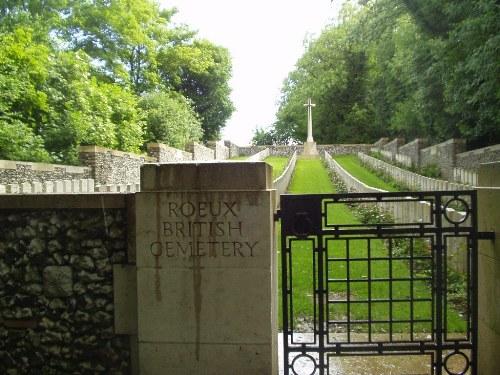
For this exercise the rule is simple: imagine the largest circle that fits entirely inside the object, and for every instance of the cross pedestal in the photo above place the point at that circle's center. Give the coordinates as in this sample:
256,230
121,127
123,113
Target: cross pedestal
310,146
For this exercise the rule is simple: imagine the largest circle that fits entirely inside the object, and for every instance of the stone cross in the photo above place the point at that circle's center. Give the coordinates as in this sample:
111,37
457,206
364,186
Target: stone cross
309,106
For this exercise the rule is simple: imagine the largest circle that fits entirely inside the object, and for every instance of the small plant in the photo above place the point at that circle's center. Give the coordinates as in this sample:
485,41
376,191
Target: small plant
431,170
337,182
371,213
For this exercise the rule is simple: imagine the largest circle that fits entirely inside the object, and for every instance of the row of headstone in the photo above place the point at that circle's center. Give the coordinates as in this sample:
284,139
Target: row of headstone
83,186
118,188
50,187
412,180
465,176
403,212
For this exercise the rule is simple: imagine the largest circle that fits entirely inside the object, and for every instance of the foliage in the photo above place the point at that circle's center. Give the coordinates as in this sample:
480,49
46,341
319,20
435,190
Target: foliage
262,137
399,68
170,120
18,142
200,71
74,72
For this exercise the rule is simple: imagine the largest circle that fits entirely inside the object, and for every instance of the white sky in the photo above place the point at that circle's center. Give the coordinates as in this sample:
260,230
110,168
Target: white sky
265,39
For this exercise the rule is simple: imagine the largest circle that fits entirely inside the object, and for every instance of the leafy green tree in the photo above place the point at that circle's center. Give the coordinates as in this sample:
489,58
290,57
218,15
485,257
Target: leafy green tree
122,37
333,72
400,68
472,78
83,111
170,119
263,137
200,71
22,71
87,72
19,142
126,116
22,102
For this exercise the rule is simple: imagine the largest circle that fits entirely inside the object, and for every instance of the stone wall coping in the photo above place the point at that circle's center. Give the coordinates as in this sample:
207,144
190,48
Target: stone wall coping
63,201
415,141
206,176
479,151
12,164
162,146
122,154
157,145
459,141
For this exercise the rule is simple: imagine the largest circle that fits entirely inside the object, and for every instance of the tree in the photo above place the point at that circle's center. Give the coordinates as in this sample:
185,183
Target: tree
122,37
200,71
22,102
263,137
333,71
472,80
84,111
400,68
170,119
80,72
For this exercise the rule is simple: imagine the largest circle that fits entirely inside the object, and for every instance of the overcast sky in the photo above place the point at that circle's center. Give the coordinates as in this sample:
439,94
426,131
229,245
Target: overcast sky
265,39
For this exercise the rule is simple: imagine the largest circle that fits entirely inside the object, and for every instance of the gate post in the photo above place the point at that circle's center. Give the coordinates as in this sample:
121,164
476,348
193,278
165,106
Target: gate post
206,269
489,270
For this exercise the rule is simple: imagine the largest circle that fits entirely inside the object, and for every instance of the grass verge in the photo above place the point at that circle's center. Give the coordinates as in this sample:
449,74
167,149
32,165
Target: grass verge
279,164
351,165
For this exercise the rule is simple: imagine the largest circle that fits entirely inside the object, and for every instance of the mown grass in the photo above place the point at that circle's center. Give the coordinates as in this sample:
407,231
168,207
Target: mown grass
351,165
279,164
239,157
311,177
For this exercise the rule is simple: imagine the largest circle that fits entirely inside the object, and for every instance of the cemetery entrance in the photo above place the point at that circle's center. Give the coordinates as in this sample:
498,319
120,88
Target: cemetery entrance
397,286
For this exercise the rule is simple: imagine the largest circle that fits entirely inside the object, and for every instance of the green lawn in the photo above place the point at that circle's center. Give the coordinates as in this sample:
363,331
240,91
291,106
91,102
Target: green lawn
239,157
279,164
351,165
311,177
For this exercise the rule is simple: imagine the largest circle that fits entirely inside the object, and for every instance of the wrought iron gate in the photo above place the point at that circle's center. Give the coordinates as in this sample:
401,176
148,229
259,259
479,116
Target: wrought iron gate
355,291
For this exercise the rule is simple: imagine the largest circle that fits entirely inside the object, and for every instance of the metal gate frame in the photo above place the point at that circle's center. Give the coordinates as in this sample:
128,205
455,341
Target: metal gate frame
309,218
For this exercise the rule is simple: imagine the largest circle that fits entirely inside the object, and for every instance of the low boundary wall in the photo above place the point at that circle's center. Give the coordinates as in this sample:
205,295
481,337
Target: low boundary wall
165,154
56,284
289,150
413,180
471,160
411,211
20,171
111,166
259,156
282,182
451,156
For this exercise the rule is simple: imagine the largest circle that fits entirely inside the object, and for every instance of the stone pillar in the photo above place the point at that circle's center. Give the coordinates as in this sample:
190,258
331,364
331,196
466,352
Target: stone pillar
206,269
489,270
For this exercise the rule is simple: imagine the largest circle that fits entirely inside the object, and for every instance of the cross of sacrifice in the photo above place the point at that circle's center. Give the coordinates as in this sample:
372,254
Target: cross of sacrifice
309,106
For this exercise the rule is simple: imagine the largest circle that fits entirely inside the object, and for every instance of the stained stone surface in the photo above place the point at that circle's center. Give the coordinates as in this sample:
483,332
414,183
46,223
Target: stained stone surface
206,269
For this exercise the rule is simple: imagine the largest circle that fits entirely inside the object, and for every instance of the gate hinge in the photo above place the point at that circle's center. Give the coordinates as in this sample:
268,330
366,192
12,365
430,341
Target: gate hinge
277,215
485,235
